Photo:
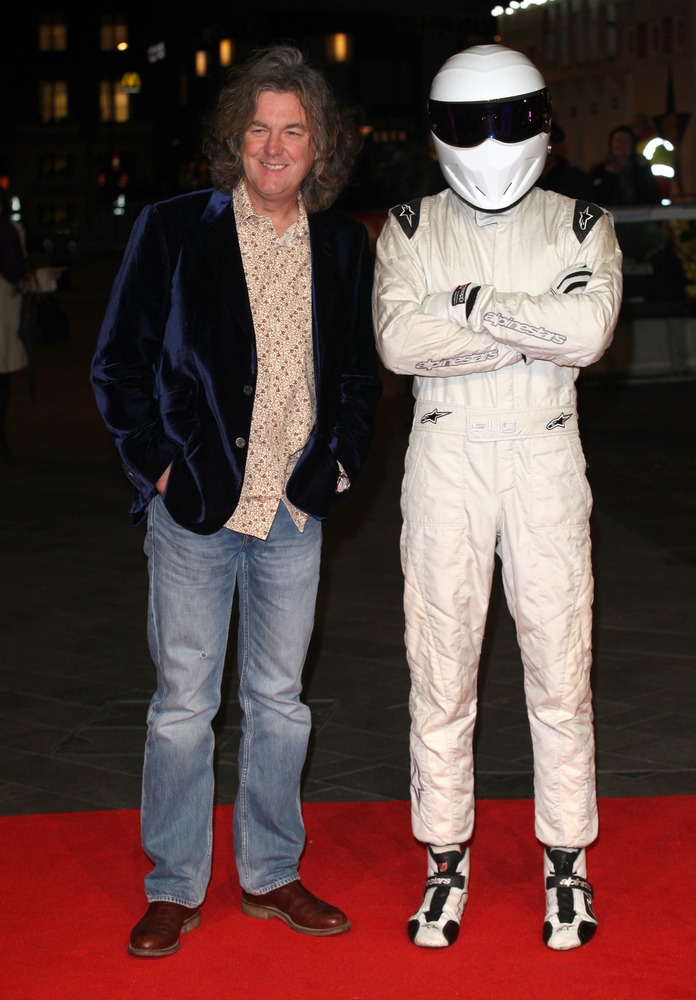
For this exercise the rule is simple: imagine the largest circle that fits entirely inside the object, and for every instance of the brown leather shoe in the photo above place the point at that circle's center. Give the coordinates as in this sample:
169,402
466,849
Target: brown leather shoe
298,908
157,933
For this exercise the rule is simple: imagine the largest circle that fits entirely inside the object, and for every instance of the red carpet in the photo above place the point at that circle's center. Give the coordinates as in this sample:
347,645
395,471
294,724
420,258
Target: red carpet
73,888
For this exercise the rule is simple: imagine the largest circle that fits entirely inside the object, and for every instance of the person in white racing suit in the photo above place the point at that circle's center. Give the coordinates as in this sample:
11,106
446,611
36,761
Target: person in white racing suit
492,294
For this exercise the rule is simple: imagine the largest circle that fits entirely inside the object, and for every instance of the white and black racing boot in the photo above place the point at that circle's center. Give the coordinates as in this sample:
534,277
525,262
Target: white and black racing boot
570,921
436,923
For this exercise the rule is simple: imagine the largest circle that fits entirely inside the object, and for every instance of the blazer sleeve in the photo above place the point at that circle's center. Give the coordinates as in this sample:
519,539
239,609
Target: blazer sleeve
360,386
346,368
127,353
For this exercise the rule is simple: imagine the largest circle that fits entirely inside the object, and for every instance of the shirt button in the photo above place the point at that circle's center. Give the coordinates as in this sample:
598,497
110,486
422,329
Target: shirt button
240,442
247,390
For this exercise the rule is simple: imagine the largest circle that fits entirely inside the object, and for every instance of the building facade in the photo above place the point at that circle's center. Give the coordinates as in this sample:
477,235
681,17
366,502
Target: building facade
607,63
107,112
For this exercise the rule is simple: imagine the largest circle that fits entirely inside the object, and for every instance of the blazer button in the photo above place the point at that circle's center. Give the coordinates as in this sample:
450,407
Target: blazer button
248,390
240,442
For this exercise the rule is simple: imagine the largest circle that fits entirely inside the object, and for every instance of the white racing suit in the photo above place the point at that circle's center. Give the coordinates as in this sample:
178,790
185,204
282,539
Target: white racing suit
495,465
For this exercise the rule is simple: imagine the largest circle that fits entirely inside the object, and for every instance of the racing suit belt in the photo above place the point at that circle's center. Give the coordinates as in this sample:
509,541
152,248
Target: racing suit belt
496,425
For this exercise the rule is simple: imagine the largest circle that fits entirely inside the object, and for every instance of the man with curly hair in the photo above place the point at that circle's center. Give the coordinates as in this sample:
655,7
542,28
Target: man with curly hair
236,371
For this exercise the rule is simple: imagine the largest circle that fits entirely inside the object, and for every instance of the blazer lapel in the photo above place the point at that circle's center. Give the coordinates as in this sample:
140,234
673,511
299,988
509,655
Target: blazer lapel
220,246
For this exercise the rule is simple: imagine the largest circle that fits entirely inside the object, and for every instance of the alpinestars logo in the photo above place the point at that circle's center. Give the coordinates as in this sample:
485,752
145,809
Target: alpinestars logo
408,216
584,218
510,323
434,416
559,421
574,882
407,213
461,359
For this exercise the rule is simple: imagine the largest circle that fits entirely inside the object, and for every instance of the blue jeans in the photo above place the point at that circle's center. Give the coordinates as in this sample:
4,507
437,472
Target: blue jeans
192,583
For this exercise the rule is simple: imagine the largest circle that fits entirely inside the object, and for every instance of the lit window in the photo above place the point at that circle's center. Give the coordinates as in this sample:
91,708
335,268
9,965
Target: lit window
226,51
121,105
338,47
114,102
53,35
113,34
105,102
53,100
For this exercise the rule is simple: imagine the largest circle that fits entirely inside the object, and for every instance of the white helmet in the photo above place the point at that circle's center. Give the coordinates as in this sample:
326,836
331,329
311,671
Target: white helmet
490,115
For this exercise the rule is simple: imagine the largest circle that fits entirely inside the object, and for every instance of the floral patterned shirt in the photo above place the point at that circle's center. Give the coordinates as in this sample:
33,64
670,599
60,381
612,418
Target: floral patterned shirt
279,280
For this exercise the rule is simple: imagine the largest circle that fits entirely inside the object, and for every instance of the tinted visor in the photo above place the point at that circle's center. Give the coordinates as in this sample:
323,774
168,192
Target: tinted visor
509,120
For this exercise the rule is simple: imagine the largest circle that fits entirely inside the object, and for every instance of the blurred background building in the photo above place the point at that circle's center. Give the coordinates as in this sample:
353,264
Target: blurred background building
631,61
102,108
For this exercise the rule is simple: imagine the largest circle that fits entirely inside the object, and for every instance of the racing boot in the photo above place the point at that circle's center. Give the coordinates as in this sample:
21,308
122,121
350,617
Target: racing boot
436,923
570,921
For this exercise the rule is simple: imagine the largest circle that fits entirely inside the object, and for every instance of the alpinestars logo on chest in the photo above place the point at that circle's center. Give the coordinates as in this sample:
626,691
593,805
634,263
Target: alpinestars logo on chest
407,213
585,218
434,416
559,421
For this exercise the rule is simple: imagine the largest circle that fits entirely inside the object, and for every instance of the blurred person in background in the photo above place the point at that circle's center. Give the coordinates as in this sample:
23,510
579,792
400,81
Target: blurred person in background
623,177
18,284
559,174
13,272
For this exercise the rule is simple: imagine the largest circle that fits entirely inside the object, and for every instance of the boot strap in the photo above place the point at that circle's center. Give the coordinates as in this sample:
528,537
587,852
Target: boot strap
455,881
569,882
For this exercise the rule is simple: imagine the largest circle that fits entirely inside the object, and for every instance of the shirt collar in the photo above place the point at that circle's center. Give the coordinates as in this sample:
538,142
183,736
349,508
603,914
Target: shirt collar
244,212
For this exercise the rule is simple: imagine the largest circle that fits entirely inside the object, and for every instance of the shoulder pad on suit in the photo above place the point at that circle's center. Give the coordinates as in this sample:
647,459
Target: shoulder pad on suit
585,215
408,215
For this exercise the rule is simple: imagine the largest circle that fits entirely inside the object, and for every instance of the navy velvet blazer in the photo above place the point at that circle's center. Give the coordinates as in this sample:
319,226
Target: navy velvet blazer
174,371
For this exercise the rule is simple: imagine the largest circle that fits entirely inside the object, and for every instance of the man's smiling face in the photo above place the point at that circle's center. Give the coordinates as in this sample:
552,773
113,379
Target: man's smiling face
277,151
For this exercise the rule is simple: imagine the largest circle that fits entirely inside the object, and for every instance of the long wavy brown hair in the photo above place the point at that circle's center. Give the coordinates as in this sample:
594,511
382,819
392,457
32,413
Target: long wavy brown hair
335,132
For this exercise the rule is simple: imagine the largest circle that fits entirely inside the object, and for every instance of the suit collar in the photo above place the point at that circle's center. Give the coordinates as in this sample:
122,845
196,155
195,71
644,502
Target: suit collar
218,240
217,237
